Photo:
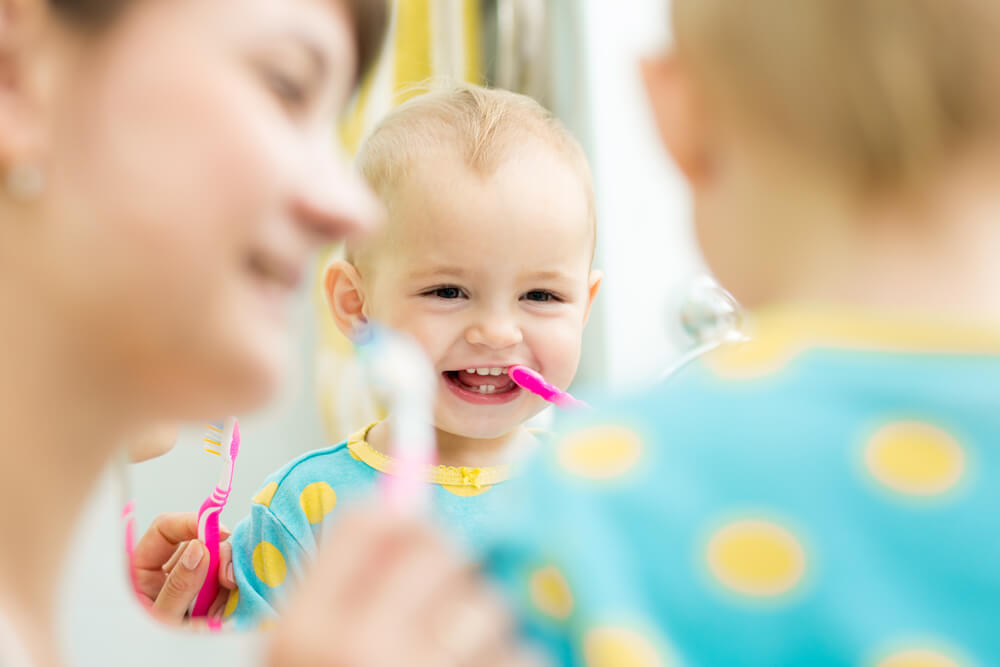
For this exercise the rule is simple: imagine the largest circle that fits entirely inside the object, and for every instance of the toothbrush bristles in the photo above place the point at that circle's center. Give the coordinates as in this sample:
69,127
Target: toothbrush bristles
213,439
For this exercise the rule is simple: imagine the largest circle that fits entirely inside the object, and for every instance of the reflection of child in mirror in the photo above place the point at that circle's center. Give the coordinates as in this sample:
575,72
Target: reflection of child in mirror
485,261
825,494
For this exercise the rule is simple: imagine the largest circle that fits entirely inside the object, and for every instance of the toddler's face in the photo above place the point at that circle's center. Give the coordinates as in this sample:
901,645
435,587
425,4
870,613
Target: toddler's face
487,272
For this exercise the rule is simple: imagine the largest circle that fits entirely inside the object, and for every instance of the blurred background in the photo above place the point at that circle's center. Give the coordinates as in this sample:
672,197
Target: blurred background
580,59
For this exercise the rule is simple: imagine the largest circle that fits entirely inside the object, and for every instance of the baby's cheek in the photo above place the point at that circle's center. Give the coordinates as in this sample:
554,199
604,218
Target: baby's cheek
559,353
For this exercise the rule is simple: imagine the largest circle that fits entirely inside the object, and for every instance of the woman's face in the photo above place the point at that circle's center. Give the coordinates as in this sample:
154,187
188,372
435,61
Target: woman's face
191,171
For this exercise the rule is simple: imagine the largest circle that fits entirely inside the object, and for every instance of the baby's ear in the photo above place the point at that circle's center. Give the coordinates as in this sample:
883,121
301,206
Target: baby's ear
593,287
345,296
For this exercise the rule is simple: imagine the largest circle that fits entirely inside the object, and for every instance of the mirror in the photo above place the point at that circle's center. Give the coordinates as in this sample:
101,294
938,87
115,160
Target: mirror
552,51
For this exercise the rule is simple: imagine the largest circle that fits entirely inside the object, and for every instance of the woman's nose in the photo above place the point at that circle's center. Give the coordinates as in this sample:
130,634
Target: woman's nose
332,201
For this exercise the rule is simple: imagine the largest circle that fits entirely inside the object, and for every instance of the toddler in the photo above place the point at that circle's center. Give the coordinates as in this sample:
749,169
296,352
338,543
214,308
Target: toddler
485,261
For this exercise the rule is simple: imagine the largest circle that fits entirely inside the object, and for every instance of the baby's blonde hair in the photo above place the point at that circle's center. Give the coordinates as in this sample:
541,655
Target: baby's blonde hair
484,126
882,92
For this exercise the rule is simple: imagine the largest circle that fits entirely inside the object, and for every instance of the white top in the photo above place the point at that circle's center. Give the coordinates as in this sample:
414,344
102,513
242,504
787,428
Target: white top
12,652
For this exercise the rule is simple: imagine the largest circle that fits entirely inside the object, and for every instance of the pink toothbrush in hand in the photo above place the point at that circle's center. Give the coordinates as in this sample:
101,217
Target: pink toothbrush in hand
221,440
534,382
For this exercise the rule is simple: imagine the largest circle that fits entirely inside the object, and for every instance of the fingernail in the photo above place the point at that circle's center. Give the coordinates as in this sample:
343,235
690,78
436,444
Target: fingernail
192,555
229,574
169,565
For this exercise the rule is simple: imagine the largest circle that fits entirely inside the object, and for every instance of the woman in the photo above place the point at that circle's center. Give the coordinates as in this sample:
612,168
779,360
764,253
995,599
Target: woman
167,172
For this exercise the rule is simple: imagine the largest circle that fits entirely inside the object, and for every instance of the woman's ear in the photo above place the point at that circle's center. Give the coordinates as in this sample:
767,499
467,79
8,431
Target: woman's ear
345,296
679,114
24,53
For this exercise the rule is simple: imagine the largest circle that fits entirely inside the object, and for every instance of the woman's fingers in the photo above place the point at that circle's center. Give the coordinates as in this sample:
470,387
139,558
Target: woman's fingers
219,604
169,565
183,583
464,622
227,578
387,588
162,538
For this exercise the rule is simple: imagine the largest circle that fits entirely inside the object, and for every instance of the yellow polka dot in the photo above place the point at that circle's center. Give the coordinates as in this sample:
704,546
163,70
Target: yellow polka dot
317,500
918,657
751,360
269,564
756,558
550,593
265,495
601,452
266,625
915,458
619,647
465,491
234,599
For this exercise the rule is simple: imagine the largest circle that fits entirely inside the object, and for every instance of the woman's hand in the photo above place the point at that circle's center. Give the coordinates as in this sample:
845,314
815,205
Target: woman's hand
387,592
170,565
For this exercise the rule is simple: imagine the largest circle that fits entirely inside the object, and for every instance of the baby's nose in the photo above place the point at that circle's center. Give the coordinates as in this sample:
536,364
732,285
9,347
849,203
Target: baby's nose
496,333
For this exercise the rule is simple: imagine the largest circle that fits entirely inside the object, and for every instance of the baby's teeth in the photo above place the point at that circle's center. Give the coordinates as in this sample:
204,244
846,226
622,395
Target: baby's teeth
483,371
470,371
504,371
496,371
487,389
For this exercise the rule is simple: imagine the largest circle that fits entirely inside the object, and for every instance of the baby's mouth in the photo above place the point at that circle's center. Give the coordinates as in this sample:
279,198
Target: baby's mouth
487,381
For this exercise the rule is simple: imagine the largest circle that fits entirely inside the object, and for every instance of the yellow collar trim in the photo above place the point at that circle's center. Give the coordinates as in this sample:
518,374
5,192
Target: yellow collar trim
780,333
475,478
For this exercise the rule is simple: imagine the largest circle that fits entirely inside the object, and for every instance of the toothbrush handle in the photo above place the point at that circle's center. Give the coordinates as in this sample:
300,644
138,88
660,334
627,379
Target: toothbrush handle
208,534
406,490
567,402
128,516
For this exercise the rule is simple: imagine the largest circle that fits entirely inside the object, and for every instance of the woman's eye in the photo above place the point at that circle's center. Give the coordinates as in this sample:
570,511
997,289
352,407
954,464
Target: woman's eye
541,296
287,89
446,292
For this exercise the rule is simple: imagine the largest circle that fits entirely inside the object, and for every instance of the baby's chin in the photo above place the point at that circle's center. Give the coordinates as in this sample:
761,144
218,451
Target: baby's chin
489,427
486,429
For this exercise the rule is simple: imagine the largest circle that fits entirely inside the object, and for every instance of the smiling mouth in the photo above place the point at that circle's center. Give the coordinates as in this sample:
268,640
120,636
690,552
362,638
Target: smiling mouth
482,385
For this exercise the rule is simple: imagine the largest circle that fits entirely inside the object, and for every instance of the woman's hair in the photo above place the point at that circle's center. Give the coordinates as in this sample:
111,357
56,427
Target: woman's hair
881,91
370,18
483,125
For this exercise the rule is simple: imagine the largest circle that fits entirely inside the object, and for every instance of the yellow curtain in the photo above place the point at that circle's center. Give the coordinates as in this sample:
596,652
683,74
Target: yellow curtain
428,40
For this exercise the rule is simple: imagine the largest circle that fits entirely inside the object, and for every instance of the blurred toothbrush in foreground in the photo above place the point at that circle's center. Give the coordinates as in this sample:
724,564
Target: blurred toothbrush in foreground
403,379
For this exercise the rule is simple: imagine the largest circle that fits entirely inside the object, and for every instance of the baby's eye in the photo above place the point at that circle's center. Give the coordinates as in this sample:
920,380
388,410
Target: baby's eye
540,296
446,292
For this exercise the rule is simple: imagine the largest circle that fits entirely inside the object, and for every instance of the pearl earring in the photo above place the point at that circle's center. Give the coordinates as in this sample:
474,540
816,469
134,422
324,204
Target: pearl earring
26,182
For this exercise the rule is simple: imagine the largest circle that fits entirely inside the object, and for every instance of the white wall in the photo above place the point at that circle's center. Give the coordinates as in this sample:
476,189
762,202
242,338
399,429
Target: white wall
646,246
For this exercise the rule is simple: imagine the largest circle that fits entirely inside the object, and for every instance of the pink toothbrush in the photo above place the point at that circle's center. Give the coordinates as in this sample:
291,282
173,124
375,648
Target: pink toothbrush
221,440
534,382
